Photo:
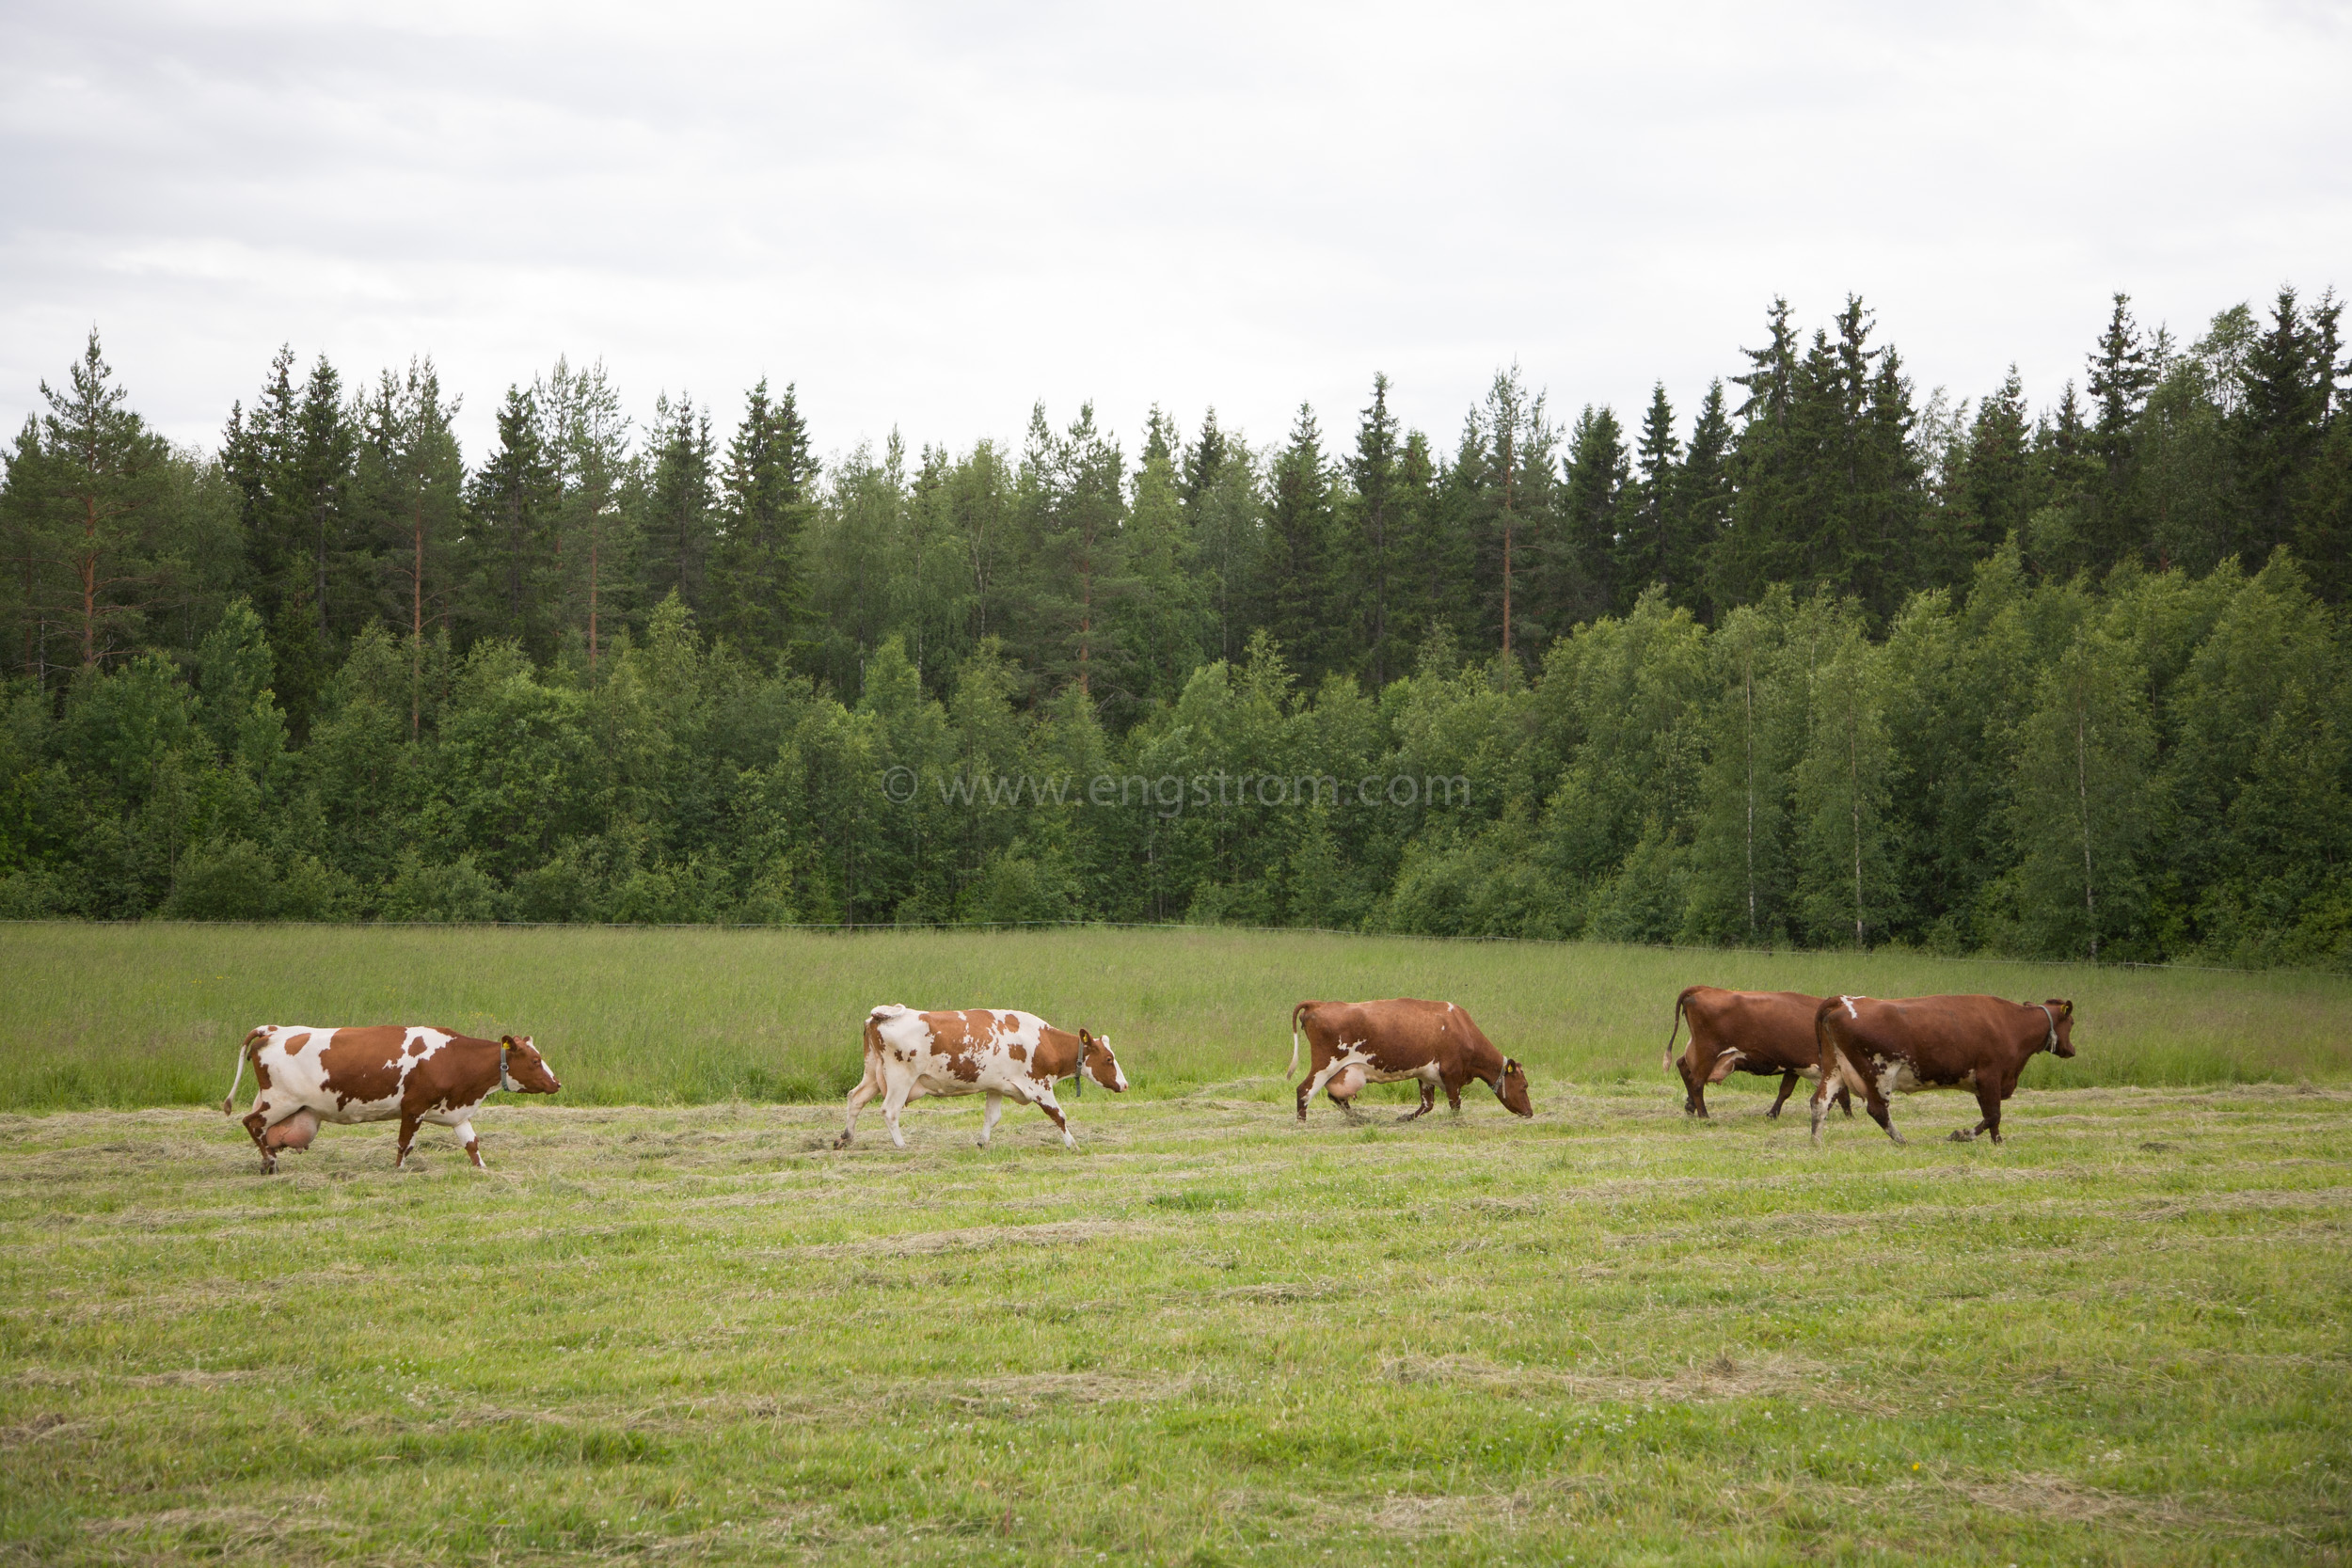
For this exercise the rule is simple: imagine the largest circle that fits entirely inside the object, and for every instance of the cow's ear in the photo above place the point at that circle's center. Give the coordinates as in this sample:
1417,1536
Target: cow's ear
507,1040
2069,1006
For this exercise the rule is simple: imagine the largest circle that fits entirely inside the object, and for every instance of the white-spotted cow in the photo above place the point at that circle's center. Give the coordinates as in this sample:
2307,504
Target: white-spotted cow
308,1075
1434,1043
976,1051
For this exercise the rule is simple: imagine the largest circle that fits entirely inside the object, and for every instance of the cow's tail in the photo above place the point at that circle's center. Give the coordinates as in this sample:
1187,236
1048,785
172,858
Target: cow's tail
1677,1027
252,1043
1297,1013
1827,1053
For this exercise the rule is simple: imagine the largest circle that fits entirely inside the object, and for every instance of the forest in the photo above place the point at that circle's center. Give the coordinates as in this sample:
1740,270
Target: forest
1824,661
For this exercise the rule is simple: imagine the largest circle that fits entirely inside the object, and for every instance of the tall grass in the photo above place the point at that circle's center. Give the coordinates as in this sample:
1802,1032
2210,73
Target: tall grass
131,1016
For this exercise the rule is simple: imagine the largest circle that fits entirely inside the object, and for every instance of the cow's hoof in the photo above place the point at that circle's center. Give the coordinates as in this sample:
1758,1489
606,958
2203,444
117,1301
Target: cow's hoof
1964,1136
841,1142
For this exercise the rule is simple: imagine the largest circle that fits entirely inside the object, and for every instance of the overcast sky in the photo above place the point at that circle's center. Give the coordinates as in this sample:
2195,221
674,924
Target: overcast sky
931,216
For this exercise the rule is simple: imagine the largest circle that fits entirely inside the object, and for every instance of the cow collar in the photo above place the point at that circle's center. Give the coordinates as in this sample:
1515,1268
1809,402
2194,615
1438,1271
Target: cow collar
2050,1043
506,1079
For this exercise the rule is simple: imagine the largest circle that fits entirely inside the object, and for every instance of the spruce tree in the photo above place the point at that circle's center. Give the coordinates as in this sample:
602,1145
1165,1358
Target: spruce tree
1650,544
1304,606
1703,493
512,503
681,504
2288,376
756,591
2121,377
1592,504
1374,521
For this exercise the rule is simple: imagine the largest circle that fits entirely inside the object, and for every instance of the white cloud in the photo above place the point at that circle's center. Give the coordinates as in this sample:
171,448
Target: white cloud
929,216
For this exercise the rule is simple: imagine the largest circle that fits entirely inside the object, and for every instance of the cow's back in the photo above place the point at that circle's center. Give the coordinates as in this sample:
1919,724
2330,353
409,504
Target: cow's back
1777,1025
1402,1031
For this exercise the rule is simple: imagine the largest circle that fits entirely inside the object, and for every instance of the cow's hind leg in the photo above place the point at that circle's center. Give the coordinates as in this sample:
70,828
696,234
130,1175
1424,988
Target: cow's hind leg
1314,1084
274,1130
867,1087
1845,1101
988,1118
1787,1088
1879,1111
1343,1089
1428,1103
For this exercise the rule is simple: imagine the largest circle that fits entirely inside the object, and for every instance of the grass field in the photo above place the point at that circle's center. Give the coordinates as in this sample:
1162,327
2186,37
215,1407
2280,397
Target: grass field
1208,1337
671,1324
131,1016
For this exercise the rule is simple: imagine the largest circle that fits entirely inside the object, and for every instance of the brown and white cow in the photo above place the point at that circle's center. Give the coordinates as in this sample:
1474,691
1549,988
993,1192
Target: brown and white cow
976,1051
1884,1047
1384,1043
1762,1032
308,1075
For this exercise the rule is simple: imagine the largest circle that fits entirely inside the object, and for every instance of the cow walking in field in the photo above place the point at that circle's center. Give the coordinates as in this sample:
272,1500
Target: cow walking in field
1762,1032
976,1051
1434,1043
1882,1047
307,1075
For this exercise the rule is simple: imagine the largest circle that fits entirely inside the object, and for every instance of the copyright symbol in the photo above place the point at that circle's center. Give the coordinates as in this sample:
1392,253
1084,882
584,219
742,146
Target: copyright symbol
899,785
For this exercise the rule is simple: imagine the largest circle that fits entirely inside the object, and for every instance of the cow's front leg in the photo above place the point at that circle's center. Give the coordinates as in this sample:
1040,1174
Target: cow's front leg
464,1130
1428,1103
408,1136
867,1087
1454,1092
1045,1101
1787,1088
1989,1102
988,1118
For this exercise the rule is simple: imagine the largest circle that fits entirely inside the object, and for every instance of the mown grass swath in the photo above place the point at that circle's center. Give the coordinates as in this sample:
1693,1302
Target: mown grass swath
1607,1335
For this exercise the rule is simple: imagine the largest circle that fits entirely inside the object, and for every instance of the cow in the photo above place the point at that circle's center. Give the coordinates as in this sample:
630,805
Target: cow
1934,1042
976,1051
1382,1042
308,1075
1762,1032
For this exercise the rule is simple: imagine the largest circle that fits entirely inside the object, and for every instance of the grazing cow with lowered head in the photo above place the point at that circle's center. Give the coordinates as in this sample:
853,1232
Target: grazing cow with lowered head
1382,1042
1880,1049
977,1051
308,1075
1762,1032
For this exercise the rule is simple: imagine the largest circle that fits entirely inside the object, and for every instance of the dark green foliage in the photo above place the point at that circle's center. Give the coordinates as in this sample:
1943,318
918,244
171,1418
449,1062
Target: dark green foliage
1837,668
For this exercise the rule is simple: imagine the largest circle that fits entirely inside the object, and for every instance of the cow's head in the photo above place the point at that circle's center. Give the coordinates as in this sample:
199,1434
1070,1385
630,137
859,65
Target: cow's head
1511,1088
526,1067
2062,1025
1095,1059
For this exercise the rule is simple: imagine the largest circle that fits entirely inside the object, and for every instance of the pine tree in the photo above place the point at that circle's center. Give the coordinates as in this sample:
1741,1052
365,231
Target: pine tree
681,504
1702,491
95,493
409,486
756,591
1374,517
2120,379
1297,581
1650,544
2287,380
1768,465
512,501
1593,503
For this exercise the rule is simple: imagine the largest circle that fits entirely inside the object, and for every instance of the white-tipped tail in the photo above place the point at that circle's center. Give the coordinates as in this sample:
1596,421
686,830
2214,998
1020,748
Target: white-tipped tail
228,1100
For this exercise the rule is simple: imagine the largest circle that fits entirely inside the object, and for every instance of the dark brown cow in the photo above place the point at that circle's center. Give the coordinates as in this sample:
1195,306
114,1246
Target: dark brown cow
1381,1042
310,1074
1762,1032
1982,1043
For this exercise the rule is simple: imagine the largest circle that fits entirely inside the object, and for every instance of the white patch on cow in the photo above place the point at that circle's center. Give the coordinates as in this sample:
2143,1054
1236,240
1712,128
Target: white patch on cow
1848,1001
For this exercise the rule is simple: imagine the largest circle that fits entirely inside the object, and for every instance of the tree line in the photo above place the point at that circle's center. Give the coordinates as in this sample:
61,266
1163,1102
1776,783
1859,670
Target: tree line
1826,664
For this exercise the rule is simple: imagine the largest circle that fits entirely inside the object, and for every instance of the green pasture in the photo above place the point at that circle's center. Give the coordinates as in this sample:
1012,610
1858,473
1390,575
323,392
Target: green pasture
692,1334
151,1014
